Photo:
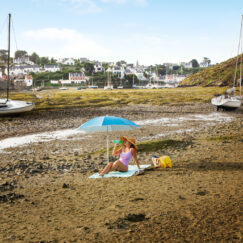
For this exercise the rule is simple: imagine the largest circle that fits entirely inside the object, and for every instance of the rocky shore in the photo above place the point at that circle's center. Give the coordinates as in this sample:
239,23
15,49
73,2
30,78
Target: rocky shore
46,196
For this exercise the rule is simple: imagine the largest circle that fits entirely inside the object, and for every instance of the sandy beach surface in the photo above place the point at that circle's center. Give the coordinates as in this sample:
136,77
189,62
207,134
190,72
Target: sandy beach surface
46,195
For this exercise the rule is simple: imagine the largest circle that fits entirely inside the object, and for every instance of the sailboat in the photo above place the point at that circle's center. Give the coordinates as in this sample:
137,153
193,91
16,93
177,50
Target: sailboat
109,85
93,86
229,101
8,106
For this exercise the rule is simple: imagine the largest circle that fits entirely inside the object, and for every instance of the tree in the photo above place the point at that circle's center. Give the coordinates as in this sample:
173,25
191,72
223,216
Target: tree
44,60
3,55
35,58
176,67
130,78
89,67
20,53
194,63
53,61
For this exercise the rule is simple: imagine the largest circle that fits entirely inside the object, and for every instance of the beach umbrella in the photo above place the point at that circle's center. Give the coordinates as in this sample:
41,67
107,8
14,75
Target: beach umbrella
107,124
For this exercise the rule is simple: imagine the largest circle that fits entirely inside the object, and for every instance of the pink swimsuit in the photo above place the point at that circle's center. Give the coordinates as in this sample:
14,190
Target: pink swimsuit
125,157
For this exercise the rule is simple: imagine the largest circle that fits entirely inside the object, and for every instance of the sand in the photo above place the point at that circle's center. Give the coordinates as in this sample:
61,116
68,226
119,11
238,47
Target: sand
46,196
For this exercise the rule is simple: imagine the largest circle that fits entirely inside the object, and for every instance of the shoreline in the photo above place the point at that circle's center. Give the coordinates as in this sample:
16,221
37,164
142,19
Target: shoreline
45,193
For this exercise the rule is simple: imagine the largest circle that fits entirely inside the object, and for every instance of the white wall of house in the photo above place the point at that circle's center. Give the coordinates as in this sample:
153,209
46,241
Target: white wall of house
29,82
72,81
54,82
52,68
204,64
16,70
1,74
188,65
24,59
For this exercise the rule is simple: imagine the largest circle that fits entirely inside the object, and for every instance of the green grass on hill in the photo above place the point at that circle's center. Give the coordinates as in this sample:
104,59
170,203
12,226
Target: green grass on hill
221,74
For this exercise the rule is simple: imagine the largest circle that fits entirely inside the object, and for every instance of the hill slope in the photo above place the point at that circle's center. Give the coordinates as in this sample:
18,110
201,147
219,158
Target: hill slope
221,74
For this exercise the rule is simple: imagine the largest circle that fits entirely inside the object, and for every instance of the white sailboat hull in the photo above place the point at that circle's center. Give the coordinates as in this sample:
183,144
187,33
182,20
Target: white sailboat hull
15,106
227,102
110,87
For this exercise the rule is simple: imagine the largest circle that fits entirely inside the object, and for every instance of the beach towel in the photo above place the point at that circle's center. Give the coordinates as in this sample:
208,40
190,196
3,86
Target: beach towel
132,169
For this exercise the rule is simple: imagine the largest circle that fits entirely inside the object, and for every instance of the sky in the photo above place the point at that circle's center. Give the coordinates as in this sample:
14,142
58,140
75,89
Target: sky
150,31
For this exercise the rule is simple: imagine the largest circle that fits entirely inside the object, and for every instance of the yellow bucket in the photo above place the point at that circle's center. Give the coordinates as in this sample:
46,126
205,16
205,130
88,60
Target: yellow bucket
165,161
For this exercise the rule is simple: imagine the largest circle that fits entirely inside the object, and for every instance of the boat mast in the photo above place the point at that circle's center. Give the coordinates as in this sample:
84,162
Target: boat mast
238,53
241,57
9,23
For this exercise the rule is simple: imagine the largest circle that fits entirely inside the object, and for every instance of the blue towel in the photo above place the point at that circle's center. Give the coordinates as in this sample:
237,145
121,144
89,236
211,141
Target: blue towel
132,169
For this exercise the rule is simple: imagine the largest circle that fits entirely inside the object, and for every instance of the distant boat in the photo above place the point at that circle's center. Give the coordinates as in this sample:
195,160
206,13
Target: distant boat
109,85
63,88
229,100
93,87
8,106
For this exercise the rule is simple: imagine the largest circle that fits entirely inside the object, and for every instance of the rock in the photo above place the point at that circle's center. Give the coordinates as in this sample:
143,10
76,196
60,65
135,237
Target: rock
65,185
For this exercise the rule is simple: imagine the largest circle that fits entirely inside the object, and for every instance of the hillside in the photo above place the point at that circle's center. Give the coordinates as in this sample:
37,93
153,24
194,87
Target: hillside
221,74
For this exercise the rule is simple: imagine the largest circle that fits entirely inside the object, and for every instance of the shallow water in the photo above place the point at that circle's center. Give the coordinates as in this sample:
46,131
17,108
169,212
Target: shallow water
39,137
165,121
73,134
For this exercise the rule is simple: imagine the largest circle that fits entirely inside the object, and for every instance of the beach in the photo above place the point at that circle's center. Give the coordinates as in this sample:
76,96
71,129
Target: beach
46,194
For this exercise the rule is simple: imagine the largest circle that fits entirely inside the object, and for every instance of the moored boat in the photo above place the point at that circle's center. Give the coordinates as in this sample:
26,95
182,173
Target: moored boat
8,106
229,101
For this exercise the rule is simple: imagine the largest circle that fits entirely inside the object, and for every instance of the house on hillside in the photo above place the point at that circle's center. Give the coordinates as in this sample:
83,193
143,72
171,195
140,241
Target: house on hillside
205,63
52,68
23,60
28,80
77,78
98,67
67,61
186,64
24,69
116,70
83,59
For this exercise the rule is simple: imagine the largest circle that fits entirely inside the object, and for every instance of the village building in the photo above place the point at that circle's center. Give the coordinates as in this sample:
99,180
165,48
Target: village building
67,61
186,64
98,67
23,60
116,70
52,68
24,69
83,59
28,80
74,78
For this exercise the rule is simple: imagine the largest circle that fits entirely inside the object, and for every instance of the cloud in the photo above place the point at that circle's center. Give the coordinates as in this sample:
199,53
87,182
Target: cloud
82,6
53,42
138,2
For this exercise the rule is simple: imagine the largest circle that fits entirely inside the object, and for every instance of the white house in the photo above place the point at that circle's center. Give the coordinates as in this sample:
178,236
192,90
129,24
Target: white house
77,78
83,59
186,64
23,60
54,82
67,61
116,70
28,80
140,76
52,68
24,69
98,67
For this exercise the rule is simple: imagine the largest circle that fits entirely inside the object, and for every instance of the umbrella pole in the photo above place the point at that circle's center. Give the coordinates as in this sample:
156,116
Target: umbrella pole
107,141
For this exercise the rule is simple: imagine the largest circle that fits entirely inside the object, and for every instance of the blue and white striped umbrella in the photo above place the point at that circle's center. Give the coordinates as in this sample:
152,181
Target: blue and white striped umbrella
107,124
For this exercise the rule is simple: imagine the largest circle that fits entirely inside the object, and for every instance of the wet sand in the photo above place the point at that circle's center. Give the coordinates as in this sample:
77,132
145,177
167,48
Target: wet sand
45,193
